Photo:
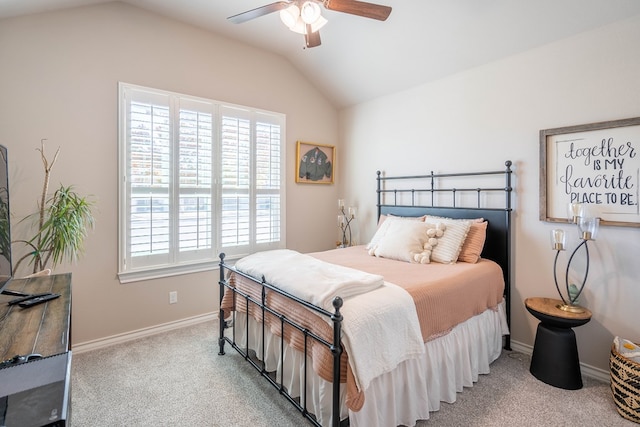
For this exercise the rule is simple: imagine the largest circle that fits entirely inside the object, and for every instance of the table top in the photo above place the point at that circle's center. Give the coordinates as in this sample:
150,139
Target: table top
43,328
550,307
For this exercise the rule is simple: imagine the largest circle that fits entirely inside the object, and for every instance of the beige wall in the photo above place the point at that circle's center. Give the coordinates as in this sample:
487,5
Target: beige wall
476,120
59,79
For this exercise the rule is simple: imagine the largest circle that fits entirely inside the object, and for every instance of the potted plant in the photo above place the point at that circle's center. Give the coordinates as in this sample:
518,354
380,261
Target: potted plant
64,219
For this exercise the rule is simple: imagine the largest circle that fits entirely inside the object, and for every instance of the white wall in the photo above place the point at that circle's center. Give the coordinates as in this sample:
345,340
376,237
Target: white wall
476,120
59,79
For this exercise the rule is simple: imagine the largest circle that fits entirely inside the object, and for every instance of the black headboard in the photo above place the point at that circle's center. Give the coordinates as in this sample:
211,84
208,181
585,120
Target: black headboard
396,198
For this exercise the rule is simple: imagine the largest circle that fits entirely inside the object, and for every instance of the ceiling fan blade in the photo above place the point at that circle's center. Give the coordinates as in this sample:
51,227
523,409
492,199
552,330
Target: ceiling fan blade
360,8
311,39
258,12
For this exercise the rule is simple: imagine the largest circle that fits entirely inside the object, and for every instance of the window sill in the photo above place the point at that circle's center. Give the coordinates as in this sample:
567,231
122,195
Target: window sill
168,271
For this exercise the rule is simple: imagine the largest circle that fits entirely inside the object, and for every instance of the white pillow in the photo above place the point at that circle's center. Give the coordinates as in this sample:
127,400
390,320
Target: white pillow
383,226
380,232
450,244
401,241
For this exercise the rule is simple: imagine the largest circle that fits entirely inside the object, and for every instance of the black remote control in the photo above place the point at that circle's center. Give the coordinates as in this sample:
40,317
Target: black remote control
37,300
14,293
27,297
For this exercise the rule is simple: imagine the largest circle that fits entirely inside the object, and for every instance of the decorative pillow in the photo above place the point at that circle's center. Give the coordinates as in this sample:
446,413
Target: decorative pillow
401,241
474,243
433,233
383,225
450,244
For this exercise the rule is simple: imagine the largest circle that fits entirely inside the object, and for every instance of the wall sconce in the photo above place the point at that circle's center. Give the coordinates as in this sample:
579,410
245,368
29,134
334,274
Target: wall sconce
344,223
588,229
302,13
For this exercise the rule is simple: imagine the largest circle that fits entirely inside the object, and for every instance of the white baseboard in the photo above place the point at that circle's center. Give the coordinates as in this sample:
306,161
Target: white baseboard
586,370
140,333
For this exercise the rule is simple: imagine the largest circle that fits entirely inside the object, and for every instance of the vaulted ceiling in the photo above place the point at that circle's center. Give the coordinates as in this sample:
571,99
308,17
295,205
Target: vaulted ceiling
361,59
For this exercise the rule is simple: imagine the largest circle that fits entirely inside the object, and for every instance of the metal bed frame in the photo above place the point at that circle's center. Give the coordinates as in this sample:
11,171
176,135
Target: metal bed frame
497,248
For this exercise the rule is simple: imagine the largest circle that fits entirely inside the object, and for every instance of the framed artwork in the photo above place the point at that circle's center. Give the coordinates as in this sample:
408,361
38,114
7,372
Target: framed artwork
314,163
596,164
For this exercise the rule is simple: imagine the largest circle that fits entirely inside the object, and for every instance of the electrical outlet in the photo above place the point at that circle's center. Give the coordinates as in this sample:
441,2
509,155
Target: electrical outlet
173,297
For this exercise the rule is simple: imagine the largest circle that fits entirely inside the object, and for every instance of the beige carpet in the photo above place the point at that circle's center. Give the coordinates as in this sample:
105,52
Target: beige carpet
178,379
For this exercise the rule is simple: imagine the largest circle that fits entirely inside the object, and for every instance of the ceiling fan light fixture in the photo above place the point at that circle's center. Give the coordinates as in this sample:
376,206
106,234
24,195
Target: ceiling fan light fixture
296,18
298,27
310,12
301,28
290,16
305,16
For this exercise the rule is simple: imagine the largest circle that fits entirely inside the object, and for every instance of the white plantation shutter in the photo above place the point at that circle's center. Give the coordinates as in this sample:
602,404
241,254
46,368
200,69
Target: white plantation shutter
236,178
195,180
149,178
268,181
251,181
198,178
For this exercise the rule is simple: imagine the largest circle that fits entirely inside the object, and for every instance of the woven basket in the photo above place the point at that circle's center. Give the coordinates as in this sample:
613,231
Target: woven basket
625,385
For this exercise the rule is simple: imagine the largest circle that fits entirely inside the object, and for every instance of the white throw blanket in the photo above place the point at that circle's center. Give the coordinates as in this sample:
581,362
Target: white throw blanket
308,278
380,328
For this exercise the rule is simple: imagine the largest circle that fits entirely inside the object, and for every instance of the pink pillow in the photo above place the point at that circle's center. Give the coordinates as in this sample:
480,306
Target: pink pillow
474,243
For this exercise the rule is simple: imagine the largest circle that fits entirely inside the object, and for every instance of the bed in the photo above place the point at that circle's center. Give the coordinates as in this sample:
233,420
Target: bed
373,339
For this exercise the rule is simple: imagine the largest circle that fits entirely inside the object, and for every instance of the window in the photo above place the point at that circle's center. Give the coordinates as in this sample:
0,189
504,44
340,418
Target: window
198,177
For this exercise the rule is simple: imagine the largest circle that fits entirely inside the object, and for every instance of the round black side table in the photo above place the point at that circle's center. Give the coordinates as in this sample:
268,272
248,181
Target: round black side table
555,352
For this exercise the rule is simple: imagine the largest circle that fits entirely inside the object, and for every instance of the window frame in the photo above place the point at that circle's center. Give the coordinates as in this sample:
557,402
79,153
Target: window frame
174,265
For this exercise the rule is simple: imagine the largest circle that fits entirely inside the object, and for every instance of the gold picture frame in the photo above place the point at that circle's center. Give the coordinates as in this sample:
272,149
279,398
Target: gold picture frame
597,164
315,163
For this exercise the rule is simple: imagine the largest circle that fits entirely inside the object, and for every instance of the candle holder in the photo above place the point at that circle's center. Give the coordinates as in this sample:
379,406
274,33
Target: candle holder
344,223
588,229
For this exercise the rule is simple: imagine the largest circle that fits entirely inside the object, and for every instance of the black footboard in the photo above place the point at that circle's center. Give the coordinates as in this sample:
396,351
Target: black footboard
257,362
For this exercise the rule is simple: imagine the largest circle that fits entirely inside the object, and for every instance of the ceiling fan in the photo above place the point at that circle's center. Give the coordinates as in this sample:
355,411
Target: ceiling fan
305,17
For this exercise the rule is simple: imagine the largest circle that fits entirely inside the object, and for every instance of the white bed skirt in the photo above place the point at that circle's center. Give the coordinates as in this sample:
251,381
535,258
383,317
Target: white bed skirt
406,394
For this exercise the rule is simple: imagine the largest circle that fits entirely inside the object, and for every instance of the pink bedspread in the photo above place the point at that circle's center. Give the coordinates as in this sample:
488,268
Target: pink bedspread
445,294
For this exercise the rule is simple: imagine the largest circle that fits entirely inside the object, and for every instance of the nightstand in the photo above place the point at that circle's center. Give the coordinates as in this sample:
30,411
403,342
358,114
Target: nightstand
555,352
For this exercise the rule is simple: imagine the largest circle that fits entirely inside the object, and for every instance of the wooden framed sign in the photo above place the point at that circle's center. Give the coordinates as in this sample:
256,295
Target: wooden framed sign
596,164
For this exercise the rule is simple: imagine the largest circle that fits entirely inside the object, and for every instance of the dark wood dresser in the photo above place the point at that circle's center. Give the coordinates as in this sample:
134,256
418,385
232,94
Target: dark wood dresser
43,329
